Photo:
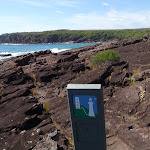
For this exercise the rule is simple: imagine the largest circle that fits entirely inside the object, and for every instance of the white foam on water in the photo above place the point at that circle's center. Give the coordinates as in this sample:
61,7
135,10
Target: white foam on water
21,53
15,54
56,50
4,53
11,44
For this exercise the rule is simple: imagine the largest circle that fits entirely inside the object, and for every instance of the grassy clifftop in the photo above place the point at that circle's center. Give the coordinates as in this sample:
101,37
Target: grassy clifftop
73,35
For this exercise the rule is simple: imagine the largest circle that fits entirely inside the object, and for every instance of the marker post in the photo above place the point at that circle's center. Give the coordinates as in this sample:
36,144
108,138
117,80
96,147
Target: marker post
87,116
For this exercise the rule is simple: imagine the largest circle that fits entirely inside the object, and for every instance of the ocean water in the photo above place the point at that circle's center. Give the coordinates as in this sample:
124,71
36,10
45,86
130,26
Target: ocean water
20,49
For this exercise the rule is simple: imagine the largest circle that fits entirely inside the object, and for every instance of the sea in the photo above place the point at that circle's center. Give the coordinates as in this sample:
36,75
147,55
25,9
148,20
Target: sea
21,49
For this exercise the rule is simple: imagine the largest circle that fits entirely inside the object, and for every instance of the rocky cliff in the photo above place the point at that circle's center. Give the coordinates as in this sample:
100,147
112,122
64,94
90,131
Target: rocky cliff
33,99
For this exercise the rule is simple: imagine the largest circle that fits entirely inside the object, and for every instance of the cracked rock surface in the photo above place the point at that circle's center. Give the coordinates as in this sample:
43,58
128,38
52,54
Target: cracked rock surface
33,98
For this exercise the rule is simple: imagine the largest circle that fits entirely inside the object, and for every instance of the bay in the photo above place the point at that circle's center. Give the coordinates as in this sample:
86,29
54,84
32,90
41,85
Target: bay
20,49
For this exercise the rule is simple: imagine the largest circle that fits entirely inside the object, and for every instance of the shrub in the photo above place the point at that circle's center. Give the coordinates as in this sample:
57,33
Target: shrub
104,56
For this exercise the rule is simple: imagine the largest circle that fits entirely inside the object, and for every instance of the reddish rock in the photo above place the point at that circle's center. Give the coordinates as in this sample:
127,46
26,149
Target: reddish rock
32,82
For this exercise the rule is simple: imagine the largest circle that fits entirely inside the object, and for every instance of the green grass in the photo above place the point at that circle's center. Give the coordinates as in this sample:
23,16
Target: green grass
104,56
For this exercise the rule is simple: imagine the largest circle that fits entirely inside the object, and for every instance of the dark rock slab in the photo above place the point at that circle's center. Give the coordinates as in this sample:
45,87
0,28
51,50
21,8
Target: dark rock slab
5,55
33,81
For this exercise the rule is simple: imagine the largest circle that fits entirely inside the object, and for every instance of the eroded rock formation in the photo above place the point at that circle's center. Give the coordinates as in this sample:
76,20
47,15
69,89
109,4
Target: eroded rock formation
32,82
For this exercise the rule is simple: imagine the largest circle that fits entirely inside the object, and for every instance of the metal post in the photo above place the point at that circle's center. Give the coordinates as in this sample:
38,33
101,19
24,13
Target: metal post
87,116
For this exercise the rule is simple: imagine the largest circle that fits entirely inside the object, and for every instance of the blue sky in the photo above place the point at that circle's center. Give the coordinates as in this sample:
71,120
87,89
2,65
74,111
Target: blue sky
42,15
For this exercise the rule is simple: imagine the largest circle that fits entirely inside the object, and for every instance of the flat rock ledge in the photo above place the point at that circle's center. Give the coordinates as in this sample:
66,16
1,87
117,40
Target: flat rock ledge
33,98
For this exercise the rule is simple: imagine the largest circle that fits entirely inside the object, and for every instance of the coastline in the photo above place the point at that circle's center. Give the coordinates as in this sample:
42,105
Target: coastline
29,83
20,49
105,44
69,42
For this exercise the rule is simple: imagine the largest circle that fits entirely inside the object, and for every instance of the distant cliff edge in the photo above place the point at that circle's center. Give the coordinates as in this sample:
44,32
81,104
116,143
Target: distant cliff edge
77,36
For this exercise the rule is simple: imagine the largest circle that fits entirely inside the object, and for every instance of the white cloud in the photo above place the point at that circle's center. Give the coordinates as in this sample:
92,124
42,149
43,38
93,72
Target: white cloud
112,14
11,19
110,20
105,4
37,27
35,3
49,3
27,28
59,12
10,24
67,3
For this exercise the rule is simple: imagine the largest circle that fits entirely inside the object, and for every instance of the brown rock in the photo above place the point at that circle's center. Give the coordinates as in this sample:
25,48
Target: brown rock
33,81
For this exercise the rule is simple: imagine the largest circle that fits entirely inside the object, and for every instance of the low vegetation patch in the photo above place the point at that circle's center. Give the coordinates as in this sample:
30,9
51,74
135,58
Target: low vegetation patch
106,56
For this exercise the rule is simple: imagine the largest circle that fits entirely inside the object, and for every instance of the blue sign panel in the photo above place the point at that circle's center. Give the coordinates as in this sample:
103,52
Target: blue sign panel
85,106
